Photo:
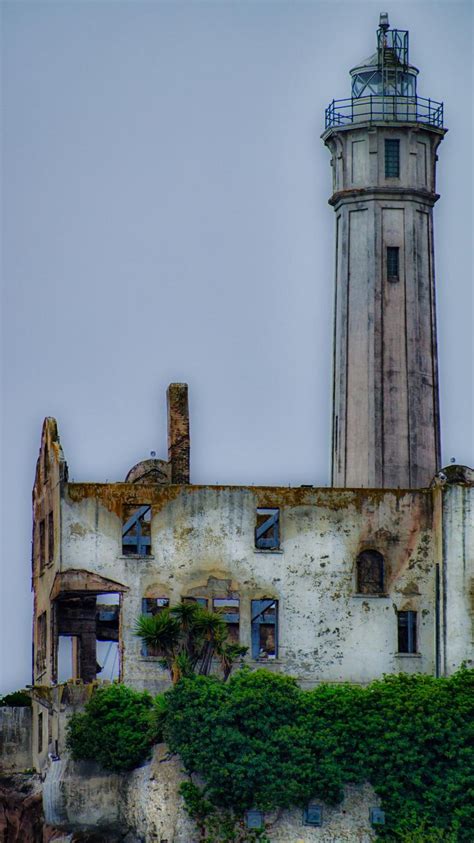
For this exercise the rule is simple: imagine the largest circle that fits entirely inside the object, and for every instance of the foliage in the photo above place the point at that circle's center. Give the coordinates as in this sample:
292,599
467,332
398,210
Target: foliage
216,826
16,698
117,729
260,741
188,638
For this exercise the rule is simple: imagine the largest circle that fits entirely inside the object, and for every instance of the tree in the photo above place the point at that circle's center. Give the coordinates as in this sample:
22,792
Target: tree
188,640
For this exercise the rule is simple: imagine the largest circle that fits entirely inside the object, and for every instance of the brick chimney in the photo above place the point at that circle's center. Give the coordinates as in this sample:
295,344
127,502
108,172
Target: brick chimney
178,432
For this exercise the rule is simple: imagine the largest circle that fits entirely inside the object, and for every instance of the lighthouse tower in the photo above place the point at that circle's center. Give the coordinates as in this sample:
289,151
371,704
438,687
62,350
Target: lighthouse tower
383,143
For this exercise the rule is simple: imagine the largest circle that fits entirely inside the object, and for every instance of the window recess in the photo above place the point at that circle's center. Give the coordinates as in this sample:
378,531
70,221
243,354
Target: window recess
267,529
370,572
407,632
136,530
152,606
392,158
229,609
264,629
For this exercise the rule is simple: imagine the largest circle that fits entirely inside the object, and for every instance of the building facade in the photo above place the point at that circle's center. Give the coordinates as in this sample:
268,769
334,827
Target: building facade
372,575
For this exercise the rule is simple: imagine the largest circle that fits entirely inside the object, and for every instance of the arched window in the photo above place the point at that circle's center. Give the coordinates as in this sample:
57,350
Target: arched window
370,573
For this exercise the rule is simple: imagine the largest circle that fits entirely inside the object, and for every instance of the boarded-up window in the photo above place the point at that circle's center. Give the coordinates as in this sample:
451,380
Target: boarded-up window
42,545
152,606
41,631
267,529
264,629
406,632
136,530
229,608
370,572
50,537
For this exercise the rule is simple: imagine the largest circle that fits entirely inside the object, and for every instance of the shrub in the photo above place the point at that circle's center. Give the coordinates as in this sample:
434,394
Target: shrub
16,698
117,729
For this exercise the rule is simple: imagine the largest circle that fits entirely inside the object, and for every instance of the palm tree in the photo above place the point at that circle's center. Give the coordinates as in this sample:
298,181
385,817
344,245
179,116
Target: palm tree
188,638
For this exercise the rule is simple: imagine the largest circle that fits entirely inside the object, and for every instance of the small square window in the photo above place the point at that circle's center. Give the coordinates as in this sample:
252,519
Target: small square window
254,819
267,529
377,816
392,158
393,270
406,632
313,815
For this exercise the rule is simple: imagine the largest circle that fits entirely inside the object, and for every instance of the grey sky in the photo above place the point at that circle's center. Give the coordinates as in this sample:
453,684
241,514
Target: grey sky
165,218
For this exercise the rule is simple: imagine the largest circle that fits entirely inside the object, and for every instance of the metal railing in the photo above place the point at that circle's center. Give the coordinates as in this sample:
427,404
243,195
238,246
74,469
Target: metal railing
376,108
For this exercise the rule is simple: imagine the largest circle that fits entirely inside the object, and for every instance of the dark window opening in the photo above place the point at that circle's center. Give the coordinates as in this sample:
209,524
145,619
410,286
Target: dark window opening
136,530
40,732
203,602
88,635
41,640
393,270
229,608
264,629
267,529
152,606
407,632
392,159
42,545
50,537
370,572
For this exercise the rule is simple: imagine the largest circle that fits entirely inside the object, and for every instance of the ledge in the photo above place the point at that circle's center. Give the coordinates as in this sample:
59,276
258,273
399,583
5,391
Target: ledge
408,655
358,596
267,550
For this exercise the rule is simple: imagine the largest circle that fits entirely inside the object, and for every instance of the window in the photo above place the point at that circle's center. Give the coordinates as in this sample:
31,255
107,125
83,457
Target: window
42,547
407,632
392,263
267,529
370,573
376,816
152,606
40,732
41,643
50,537
136,532
254,819
201,601
229,608
264,629
392,159
313,815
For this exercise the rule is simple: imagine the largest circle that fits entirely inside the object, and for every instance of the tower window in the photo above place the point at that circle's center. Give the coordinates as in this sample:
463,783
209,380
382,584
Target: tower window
392,158
393,263
370,572
407,632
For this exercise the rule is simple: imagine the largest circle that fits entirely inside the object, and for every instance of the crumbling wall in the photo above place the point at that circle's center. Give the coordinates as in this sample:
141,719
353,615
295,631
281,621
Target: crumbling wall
15,739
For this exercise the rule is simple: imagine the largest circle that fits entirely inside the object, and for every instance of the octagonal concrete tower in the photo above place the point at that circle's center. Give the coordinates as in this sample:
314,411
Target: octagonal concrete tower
383,143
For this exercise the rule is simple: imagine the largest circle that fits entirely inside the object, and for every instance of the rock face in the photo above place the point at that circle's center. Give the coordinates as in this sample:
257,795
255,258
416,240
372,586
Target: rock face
21,812
146,806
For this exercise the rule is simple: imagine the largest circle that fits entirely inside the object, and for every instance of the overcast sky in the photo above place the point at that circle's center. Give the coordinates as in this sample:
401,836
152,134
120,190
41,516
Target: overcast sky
165,218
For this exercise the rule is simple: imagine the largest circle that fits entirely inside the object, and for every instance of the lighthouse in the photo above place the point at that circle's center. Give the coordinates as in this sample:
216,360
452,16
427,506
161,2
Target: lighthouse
383,142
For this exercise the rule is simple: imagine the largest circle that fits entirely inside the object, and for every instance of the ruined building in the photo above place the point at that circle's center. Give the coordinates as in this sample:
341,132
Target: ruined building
369,576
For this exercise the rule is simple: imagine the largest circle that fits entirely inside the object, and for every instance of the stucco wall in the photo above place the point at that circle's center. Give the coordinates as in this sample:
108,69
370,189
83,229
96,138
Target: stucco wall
203,538
457,576
15,739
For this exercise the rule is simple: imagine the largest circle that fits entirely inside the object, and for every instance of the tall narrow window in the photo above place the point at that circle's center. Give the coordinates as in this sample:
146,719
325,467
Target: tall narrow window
41,643
392,158
407,632
393,263
50,537
370,573
40,732
136,532
152,606
229,608
42,545
264,629
267,529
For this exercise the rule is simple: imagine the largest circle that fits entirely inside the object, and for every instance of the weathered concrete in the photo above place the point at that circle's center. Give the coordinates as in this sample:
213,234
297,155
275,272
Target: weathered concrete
15,739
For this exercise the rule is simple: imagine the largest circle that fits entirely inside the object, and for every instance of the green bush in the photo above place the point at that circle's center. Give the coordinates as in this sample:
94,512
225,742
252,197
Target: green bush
261,741
16,698
117,729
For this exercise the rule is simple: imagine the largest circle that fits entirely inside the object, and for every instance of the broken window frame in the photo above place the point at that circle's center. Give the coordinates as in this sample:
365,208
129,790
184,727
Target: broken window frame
259,608
146,610
368,585
267,529
138,540
407,632
232,619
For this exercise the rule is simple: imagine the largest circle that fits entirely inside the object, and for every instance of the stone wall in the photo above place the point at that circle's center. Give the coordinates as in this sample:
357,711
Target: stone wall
15,739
